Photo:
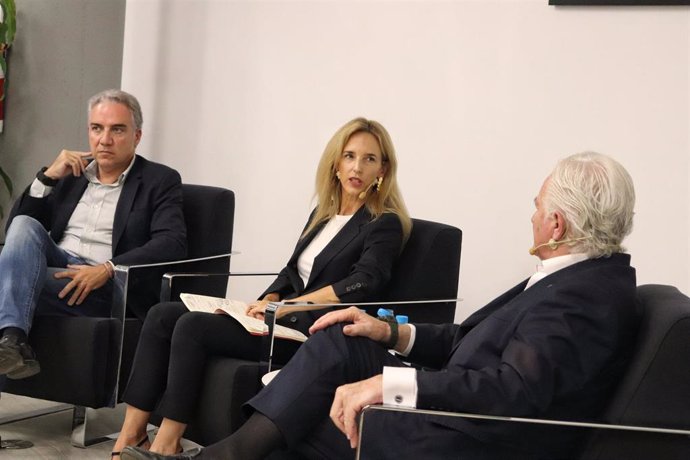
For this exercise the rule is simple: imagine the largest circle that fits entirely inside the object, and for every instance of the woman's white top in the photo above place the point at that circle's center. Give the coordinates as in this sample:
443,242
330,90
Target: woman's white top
305,262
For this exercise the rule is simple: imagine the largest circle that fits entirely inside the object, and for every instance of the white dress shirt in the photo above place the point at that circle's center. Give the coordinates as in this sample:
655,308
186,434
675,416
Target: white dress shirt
552,265
400,383
89,232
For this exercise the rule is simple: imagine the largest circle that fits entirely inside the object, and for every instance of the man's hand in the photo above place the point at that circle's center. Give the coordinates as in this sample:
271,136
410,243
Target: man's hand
85,278
68,162
349,401
362,325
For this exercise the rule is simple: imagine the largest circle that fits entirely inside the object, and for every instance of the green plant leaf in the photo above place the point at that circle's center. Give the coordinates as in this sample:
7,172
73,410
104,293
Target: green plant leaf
3,24
9,21
8,183
7,180
3,66
8,28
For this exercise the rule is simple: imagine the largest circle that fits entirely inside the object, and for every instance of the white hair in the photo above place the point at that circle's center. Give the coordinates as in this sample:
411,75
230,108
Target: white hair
595,195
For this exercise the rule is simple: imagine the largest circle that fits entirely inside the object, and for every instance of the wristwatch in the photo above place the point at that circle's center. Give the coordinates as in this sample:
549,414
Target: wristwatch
45,180
388,317
393,340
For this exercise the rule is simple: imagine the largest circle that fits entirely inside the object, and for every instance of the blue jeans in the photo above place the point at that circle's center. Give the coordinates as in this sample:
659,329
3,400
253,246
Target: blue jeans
27,264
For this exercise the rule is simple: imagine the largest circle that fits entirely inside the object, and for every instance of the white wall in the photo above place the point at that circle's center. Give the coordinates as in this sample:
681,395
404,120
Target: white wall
481,99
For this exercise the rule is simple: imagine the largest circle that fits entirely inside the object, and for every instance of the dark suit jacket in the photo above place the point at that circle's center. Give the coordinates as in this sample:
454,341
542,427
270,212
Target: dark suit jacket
357,262
553,351
149,225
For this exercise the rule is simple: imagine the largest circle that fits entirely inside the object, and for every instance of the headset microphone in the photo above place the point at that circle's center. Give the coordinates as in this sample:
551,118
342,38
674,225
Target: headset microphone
553,244
363,193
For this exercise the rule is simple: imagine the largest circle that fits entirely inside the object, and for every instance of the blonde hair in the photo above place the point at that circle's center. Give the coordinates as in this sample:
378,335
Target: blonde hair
328,191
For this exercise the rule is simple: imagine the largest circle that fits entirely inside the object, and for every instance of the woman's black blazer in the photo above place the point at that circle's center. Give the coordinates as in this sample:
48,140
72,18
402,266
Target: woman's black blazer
357,262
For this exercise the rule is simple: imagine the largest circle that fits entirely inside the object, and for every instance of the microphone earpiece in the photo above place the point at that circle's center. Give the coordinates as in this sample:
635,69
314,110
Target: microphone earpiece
363,193
553,244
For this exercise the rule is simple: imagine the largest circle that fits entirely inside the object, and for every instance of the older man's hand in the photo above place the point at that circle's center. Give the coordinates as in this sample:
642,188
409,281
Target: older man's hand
362,325
349,401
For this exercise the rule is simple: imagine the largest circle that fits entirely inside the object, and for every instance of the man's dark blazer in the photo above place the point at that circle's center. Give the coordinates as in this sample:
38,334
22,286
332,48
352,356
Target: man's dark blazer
357,262
149,223
554,350
148,226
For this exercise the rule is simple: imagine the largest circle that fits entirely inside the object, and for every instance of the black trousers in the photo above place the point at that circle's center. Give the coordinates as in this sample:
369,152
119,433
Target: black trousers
170,361
299,399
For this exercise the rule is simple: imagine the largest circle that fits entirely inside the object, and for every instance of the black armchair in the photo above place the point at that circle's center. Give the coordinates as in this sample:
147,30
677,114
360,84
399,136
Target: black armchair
428,269
648,416
85,362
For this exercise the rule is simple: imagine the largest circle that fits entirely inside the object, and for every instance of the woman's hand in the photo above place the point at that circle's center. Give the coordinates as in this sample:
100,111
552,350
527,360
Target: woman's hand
256,309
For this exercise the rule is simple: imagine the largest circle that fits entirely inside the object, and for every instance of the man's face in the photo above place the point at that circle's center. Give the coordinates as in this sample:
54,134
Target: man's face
112,136
542,222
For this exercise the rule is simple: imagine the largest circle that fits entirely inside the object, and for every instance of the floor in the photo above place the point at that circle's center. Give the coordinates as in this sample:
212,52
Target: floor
50,434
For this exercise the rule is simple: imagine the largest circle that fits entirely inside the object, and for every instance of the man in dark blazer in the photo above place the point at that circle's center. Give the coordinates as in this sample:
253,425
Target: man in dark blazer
84,214
551,347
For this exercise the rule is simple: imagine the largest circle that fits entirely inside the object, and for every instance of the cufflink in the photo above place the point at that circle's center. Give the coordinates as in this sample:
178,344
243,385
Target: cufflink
398,399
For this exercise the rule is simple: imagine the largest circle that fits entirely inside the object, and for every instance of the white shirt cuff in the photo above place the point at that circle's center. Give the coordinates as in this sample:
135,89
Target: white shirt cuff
400,386
39,190
413,335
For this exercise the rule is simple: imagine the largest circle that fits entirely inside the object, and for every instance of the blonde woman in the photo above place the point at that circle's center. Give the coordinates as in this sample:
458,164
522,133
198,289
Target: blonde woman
345,254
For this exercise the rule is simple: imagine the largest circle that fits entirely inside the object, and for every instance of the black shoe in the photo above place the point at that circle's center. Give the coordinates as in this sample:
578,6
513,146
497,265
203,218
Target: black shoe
137,453
17,360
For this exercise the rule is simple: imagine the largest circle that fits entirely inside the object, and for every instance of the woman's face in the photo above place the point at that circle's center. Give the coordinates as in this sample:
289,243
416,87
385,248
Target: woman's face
360,164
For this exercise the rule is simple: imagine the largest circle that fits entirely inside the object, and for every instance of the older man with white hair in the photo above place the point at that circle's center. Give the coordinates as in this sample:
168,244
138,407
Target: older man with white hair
554,346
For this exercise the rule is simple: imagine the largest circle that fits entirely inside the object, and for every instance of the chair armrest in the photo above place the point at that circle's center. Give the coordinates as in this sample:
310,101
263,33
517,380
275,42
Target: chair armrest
168,279
371,410
127,277
180,261
125,274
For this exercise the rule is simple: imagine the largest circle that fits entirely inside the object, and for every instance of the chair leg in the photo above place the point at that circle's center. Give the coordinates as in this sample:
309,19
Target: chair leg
13,444
82,435
35,413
